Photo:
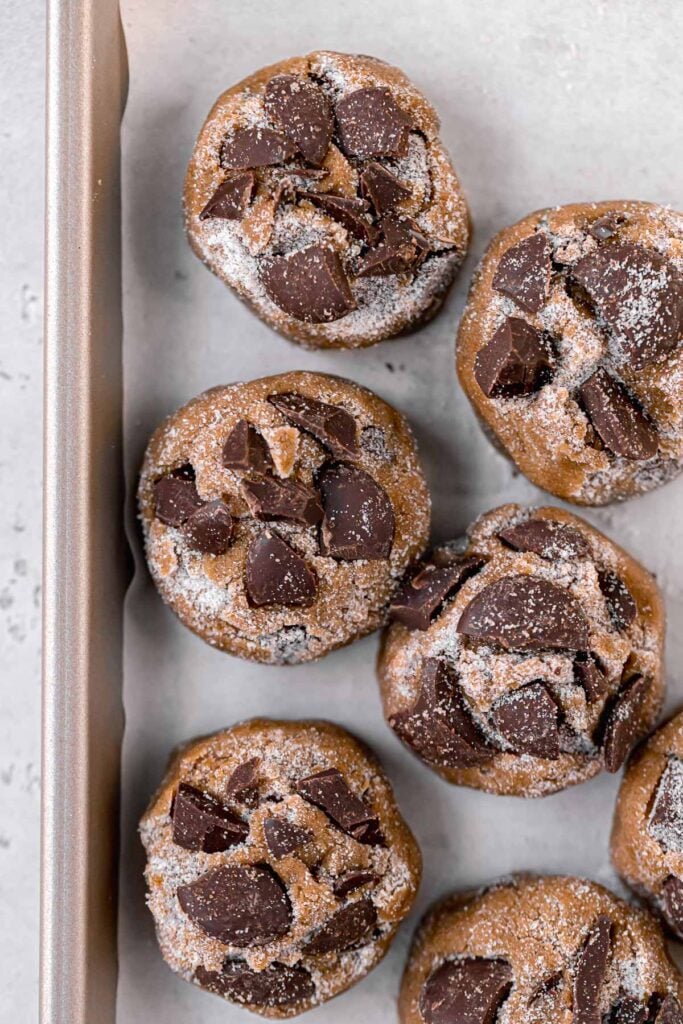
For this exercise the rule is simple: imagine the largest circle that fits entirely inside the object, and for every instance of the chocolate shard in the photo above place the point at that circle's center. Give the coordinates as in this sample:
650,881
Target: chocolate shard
209,529
588,674
620,603
525,613
590,972
350,213
309,284
255,147
672,904
284,837
665,823
358,520
333,426
420,598
243,783
402,248
669,1011
606,227
269,498
469,990
439,726
176,496
200,822
382,188
277,985
240,906
372,124
329,791
528,718
546,538
516,361
351,881
302,110
523,272
246,449
231,198
622,722
276,574
350,926
639,295
620,423
628,1011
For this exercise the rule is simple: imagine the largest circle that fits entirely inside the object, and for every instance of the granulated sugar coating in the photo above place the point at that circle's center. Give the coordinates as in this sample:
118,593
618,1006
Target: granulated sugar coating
570,348
531,950
278,865
320,191
526,660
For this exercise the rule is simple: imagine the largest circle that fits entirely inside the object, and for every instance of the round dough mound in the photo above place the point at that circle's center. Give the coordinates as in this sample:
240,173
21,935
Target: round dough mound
535,950
278,864
647,837
526,658
279,514
320,191
570,348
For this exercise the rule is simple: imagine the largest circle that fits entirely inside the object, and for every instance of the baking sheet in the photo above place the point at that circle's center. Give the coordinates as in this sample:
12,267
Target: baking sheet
540,104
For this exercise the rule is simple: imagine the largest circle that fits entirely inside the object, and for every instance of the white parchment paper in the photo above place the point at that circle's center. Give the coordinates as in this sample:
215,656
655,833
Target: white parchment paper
541,103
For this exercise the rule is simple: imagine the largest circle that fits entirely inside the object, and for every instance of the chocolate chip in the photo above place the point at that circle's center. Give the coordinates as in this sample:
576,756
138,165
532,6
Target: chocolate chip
382,188
419,598
516,361
200,822
271,498
240,906
672,904
348,927
373,441
546,538
525,613
230,199
350,213
309,284
587,673
528,719
176,496
547,987
277,985
209,529
439,726
620,423
333,426
470,990
620,604
628,1011
639,294
283,837
359,518
670,1010
245,449
243,783
605,227
329,791
666,817
351,881
303,112
255,147
622,725
401,249
523,272
371,124
276,574
590,972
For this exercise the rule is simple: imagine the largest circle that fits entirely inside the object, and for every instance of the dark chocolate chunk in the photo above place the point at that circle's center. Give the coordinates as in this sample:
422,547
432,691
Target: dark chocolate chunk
607,226
241,906
351,881
329,791
243,783
516,361
333,426
284,837
359,518
546,538
303,112
200,822
590,972
470,990
622,722
525,613
382,188
372,124
666,817
255,147
620,423
209,529
230,199
277,574
309,284
628,1011
350,213
620,604
523,272
176,497
271,498
528,719
589,675
420,598
547,987
277,985
345,929
669,1011
672,904
401,249
245,449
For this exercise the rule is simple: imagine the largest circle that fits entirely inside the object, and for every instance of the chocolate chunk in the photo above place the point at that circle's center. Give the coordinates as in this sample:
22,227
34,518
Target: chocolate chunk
525,613
283,837
329,791
246,449
439,726
200,822
546,538
402,248
672,904
373,441
620,423
359,518
528,719
382,188
590,972
255,147
333,426
666,816
345,929
622,724
523,272
420,598
303,112
230,199
277,574
371,124
351,881
176,497
277,985
628,1011
516,361
209,529
240,906
639,295
547,987
271,498
670,1010
309,284
605,227
243,783
620,604
470,990
587,673
350,213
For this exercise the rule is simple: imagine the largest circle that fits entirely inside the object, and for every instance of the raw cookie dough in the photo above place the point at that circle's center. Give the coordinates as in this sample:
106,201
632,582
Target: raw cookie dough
533,950
570,348
279,514
320,191
527,658
647,837
278,864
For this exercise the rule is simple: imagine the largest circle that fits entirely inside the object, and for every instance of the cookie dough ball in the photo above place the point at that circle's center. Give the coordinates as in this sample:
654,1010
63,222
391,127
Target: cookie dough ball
525,659
320,191
570,348
278,864
647,837
539,950
279,514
